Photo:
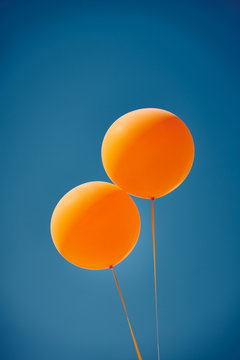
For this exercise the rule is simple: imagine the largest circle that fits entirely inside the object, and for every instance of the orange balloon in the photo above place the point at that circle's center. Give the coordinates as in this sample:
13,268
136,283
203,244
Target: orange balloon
95,225
148,152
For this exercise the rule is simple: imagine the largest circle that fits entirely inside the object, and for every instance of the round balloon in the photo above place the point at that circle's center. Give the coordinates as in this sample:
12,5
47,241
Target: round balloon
148,152
95,225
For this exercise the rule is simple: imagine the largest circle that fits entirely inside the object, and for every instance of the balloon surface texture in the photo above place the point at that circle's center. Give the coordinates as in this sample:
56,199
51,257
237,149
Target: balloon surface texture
148,152
95,225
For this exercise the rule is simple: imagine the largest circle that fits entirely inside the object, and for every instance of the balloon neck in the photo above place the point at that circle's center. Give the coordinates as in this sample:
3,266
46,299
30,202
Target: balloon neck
152,198
110,267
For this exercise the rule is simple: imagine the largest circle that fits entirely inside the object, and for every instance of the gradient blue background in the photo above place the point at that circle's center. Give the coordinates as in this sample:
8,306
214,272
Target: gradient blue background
68,69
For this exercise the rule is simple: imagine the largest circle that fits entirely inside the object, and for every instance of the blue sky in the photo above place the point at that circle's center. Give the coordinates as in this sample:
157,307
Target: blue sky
68,69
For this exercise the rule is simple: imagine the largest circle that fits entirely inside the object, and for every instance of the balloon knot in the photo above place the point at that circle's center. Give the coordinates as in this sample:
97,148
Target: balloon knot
153,198
110,267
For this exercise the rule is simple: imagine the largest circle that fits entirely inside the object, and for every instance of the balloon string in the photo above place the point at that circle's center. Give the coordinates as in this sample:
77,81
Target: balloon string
133,337
155,278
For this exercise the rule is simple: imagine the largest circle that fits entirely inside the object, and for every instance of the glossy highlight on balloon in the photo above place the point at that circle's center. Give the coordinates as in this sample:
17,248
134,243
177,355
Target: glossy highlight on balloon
95,225
148,152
